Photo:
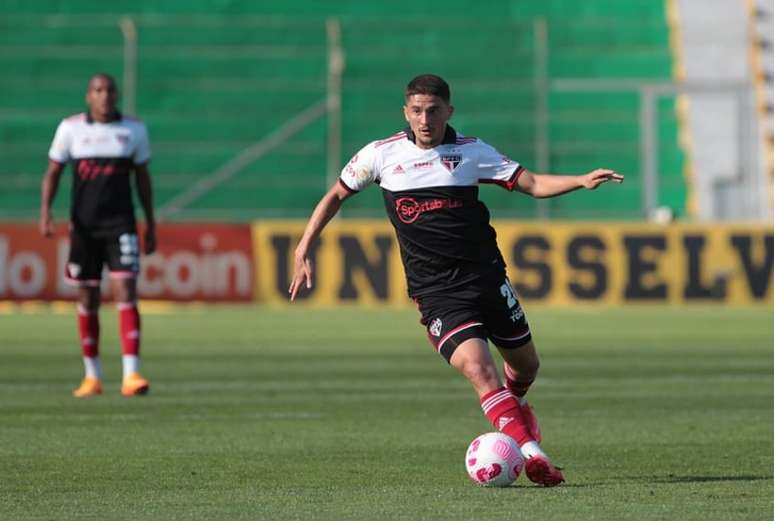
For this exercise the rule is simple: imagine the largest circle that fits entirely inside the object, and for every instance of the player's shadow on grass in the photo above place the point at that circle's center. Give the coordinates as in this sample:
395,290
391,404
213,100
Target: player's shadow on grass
704,479
669,479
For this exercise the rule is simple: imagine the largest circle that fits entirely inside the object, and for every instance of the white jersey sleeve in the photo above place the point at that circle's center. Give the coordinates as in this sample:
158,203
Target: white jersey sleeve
142,151
362,169
60,146
494,167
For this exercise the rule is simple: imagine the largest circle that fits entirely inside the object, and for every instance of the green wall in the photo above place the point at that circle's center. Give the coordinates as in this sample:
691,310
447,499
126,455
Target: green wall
216,77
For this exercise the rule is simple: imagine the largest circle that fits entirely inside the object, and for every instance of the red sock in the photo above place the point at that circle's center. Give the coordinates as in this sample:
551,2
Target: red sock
88,328
518,386
502,410
129,325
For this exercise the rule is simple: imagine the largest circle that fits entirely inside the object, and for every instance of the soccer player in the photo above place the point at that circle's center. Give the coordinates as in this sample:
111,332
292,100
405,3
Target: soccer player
104,148
429,176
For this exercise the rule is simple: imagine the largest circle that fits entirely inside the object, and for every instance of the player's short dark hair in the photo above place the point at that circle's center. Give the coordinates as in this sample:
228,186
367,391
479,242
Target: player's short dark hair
103,75
430,85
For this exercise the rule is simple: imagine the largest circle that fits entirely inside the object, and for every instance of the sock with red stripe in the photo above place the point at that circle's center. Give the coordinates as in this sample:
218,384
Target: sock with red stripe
502,410
516,383
129,326
88,330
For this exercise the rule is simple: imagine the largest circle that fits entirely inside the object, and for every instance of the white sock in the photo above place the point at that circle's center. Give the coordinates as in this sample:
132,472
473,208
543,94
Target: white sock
531,448
131,364
92,367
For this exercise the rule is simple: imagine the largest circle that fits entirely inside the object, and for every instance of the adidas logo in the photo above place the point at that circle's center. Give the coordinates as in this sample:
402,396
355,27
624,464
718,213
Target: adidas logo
398,170
504,420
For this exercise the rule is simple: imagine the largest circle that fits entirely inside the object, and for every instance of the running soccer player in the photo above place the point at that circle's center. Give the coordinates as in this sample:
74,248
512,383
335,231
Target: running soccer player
429,175
104,147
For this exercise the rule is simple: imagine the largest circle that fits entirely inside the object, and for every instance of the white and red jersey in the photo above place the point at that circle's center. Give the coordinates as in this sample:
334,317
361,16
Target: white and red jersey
103,156
431,198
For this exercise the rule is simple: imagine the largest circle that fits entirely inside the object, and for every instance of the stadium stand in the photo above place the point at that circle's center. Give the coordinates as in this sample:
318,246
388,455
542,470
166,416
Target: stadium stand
763,56
215,80
718,62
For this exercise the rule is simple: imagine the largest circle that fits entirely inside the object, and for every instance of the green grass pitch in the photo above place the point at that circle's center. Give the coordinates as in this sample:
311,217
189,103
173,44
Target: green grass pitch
260,413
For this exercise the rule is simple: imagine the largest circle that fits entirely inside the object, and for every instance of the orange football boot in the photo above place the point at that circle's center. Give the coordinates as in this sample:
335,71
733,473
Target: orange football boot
135,385
90,386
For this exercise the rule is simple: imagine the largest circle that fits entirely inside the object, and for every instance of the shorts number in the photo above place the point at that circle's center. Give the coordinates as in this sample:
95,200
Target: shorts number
130,250
507,292
128,244
513,305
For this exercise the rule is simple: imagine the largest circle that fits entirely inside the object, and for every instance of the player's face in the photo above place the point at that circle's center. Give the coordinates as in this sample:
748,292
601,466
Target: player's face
427,116
101,98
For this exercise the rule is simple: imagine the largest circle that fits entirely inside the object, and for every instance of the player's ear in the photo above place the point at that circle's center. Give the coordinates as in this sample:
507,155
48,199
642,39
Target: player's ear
406,114
451,111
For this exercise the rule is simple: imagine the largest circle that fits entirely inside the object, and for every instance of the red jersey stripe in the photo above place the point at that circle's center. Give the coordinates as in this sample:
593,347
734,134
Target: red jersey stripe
396,137
510,184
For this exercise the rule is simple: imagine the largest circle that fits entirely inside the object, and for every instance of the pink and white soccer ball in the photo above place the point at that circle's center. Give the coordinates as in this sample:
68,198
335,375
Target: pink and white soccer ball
494,460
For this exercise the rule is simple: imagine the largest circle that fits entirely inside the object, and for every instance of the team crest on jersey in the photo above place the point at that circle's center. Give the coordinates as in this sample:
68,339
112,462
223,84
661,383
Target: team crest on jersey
123,138
435,327
451,161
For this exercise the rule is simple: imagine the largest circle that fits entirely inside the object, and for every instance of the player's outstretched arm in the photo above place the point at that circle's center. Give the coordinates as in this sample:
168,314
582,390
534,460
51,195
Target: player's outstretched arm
324,211
542,185
48,190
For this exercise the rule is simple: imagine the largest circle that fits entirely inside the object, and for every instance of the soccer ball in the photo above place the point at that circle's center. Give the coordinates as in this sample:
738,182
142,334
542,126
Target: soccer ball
494,460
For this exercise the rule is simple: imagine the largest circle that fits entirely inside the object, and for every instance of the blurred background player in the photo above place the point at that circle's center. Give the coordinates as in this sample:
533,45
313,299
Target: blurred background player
104,147
429,175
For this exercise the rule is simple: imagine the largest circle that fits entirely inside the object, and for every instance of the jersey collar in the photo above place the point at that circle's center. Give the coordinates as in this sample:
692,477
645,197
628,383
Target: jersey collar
117,116
449,137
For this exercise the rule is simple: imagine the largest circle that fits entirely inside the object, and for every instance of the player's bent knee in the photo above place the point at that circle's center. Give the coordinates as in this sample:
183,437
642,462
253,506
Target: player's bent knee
475,362
524,361
89,298
532,367
481,375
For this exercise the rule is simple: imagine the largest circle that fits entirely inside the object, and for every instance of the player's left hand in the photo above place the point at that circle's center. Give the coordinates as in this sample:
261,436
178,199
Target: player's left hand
601,175
150,240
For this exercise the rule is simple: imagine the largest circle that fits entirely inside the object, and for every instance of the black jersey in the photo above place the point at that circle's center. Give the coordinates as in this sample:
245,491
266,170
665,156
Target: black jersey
102,156
431,198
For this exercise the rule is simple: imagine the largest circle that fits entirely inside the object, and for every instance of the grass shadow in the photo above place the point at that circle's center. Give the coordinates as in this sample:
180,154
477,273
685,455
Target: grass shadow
669,479
704,479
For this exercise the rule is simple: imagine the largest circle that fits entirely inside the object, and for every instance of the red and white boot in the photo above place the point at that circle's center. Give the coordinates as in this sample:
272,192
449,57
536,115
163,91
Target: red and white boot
540,470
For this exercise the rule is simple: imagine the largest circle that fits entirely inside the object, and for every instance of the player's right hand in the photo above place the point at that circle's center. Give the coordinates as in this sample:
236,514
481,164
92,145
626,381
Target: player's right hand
46,225
302,273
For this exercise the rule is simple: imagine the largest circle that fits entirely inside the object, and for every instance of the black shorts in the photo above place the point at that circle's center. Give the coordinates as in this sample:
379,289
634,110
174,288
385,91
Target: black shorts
91,250
485,309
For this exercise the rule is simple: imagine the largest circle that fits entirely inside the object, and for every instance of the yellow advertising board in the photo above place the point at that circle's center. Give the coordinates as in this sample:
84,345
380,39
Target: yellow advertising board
354,261
552,263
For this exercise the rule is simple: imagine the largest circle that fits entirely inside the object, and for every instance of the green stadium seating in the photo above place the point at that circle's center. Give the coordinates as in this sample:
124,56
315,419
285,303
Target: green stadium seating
220,77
